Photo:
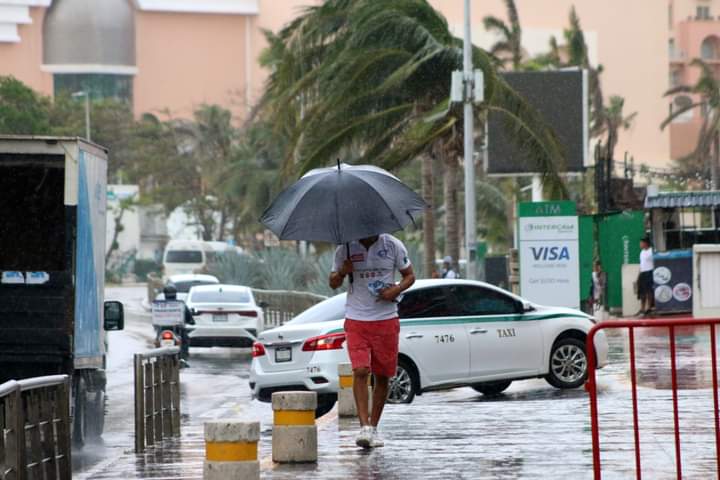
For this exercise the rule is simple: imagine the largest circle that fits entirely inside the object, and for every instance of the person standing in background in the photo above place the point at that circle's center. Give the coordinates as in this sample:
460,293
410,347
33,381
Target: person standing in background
645,279
447,271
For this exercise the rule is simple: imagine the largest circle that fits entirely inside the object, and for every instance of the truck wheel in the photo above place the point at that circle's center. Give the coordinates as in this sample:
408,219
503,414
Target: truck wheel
96,414
79,431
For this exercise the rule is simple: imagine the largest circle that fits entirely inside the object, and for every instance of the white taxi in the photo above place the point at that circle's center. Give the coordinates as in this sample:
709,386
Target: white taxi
453,333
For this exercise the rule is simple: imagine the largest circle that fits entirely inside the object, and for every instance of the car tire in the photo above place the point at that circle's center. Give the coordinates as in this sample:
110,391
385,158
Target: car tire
325,403
79,432
403,386
568,366
491,389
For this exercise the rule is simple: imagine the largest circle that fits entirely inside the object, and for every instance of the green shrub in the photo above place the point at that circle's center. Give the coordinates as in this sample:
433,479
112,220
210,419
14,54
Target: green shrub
143,267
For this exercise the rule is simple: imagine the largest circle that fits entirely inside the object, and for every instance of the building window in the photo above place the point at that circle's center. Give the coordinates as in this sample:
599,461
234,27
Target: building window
702,12
100,86
710,48
675,78
681,102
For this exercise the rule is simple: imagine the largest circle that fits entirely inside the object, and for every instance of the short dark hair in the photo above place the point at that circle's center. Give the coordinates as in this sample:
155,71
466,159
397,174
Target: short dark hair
646,240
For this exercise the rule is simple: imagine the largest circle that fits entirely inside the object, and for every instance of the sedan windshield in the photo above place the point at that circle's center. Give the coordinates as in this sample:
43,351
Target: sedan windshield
331,309
221,296
184,287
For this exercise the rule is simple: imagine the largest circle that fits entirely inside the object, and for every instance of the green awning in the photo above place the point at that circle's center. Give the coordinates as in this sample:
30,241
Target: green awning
683,199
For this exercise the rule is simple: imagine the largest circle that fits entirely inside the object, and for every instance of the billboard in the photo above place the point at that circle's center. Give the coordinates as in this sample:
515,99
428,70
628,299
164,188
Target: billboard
562,100
548,244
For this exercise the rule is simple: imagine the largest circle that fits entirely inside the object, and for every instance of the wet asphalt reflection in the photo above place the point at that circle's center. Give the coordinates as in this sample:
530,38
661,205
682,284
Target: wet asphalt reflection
531,431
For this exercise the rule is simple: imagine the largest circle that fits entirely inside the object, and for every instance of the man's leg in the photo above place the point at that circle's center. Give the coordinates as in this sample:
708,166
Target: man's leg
380,394
360,391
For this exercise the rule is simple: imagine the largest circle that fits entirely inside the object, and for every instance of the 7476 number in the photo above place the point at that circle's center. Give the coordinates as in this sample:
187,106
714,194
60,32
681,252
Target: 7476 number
444,338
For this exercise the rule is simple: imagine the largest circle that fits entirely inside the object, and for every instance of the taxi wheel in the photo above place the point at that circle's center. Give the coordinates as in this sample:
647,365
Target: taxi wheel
325,404
568,363
403,384
491,388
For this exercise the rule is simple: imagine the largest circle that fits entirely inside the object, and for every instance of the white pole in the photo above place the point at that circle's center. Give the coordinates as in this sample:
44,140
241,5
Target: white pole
87,115
470,235
537,188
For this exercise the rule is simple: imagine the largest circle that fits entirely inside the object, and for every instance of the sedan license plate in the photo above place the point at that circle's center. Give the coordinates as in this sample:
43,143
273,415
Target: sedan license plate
220,317
283,354
167,343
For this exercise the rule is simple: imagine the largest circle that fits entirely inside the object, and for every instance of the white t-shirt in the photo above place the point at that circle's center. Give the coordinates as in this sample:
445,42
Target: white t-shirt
450,274
373,269
646,260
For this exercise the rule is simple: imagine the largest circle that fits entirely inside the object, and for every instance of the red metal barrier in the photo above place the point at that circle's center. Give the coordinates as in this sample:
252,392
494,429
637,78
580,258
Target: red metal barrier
591,386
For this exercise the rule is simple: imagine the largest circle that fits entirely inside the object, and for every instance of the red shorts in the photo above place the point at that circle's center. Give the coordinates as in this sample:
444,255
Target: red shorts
373,345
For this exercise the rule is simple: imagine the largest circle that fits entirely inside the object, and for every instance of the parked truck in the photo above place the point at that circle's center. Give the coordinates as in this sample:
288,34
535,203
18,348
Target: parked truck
53,317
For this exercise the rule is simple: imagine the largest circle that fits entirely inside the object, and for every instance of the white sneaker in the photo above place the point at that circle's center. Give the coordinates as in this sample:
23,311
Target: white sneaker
365,437
376,440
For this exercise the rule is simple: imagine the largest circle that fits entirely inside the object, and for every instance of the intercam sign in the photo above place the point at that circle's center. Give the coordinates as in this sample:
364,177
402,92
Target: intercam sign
548,236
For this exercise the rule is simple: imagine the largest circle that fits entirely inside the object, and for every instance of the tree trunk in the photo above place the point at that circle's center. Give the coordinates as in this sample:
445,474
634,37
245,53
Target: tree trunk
428,194
452,236
117,221
715,160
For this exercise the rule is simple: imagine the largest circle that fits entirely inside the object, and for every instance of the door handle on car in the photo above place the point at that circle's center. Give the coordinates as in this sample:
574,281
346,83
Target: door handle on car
475,331
410,336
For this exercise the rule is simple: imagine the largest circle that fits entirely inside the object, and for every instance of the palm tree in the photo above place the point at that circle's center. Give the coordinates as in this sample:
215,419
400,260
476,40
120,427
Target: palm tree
703,160
614,120
373,78
509,47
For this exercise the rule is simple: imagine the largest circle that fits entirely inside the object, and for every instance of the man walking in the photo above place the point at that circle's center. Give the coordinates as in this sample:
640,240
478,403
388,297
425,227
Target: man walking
372,326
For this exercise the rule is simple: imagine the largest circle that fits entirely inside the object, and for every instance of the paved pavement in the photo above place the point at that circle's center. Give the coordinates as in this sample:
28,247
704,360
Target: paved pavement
532,431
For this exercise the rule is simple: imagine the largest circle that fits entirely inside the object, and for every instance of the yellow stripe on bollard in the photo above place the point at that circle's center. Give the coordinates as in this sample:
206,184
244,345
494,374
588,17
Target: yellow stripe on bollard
294,417
346,381
231,451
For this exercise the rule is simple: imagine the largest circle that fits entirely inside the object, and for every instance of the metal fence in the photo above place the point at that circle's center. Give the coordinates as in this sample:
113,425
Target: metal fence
157,396
35,429
283,305
672,324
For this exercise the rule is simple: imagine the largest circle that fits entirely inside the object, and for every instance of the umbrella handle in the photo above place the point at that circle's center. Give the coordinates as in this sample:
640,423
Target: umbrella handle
347,250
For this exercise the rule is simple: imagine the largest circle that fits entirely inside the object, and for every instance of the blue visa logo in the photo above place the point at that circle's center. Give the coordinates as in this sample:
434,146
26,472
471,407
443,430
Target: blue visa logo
550,253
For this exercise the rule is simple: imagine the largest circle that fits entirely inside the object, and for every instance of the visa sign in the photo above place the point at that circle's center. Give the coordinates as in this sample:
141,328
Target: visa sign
550,253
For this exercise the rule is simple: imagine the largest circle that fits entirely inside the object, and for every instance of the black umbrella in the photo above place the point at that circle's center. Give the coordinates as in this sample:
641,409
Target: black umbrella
341,204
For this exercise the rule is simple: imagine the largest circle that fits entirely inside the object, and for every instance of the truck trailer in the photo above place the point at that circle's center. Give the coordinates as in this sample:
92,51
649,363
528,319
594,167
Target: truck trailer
53,317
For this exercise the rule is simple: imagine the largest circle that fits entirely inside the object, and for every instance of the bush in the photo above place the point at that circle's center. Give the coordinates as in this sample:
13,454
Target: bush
143,267
276,269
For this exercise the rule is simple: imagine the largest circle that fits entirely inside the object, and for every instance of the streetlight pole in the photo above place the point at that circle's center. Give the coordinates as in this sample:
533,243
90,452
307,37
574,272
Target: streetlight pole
86,94
469,146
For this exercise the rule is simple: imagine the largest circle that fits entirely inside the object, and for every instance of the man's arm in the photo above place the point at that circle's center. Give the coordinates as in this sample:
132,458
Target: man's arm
391,293
337,278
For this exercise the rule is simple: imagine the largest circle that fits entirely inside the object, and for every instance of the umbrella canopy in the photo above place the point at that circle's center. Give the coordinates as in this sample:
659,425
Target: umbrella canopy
341,204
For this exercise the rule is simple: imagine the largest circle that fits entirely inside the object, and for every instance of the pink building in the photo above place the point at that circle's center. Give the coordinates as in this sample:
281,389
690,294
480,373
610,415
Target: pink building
177,54
156,54
695,33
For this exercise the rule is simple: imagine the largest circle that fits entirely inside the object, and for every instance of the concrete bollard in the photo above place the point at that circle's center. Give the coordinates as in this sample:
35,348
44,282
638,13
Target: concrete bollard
294,435
231,451
346,399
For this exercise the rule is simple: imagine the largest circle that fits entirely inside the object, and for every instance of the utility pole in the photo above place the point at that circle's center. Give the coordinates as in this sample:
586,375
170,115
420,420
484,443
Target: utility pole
86,94
468,87
469,147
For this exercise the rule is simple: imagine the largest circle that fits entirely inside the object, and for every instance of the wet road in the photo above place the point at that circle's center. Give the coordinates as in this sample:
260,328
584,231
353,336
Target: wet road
532,431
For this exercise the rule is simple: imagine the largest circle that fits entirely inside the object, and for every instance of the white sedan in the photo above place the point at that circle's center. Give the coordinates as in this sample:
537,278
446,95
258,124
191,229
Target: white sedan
453,333
225,316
